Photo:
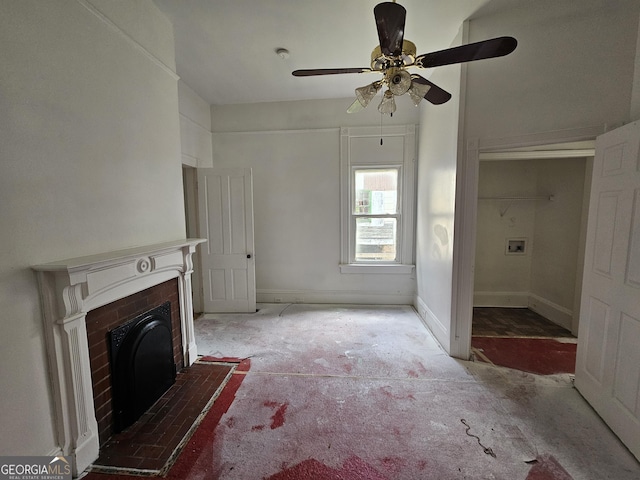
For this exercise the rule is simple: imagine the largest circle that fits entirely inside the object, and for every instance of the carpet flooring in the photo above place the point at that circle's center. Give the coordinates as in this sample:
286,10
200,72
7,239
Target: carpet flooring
348,392
543,356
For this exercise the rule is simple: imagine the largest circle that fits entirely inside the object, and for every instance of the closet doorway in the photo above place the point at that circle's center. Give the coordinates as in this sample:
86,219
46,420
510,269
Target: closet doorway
531,226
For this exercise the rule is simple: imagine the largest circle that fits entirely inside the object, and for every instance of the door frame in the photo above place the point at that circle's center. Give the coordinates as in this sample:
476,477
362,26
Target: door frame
192,230
466,219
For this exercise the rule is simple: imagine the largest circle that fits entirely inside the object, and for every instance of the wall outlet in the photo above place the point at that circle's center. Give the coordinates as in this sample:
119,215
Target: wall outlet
277,299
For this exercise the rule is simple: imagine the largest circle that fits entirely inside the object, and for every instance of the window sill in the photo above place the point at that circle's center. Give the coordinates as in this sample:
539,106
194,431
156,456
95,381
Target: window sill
385,269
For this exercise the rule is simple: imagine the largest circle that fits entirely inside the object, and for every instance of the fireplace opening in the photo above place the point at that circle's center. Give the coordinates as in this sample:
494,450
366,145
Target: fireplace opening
142,364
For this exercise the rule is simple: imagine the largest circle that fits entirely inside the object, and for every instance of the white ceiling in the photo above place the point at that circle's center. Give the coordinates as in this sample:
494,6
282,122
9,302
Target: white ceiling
225,49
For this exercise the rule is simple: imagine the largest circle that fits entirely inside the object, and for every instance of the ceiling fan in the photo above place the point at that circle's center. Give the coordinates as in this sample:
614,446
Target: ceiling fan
395,55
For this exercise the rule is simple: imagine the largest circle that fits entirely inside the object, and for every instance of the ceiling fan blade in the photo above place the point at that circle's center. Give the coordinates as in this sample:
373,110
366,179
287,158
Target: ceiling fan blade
435,95
495,47
390,19
328,71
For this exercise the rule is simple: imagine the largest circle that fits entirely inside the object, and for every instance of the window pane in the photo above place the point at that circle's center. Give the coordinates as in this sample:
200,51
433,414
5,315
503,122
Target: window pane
376,191
376,239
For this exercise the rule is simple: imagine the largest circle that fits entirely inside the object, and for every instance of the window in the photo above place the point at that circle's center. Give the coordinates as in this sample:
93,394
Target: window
376,214
377,200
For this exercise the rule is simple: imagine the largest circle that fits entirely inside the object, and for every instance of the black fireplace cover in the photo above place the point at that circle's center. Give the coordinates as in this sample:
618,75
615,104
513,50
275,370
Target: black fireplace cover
142,364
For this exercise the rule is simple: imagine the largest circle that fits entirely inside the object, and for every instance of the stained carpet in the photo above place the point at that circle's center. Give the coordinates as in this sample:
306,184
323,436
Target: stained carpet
365,393
543,356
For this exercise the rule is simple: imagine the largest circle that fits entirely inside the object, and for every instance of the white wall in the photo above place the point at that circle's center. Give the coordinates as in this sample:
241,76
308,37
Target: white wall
544,278
556,240
573,67
293,149
90,144
437,164
307,114
504,280
195,127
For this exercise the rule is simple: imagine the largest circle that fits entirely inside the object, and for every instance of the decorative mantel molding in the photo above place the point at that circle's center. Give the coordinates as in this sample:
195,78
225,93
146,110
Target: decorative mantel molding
71,288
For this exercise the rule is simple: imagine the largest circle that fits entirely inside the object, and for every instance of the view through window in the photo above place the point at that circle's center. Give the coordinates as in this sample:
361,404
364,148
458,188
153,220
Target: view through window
376,214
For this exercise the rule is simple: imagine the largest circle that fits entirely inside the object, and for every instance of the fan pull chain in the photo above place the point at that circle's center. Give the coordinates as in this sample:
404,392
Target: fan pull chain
381,115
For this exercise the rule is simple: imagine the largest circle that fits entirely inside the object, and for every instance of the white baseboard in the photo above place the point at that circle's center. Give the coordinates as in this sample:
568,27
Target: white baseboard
431,321
556,313
332,296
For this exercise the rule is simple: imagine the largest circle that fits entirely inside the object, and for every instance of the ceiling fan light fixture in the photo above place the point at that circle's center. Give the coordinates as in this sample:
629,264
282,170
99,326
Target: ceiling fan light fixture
417,91
365,94
355,107
399,81
388,103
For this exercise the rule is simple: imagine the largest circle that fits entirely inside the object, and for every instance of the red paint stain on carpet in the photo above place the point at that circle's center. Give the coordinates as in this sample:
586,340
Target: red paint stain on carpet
244,364
277,419
548,468
354,468
534,355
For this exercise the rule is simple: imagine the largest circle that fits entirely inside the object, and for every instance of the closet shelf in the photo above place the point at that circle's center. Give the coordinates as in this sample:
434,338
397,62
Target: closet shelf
505,208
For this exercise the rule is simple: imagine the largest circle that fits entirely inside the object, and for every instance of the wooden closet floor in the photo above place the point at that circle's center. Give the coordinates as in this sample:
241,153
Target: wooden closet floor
514,322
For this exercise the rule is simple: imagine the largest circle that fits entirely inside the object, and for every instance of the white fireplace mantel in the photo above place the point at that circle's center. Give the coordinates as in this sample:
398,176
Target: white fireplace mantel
71,288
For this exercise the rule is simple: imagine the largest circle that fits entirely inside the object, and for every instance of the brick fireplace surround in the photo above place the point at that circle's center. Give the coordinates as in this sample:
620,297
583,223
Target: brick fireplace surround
101,320
70,290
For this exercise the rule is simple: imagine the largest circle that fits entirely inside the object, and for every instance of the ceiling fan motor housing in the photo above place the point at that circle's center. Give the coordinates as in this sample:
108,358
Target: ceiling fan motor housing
380,61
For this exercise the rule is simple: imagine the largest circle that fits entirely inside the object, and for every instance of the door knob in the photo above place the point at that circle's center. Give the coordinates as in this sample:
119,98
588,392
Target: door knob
248,255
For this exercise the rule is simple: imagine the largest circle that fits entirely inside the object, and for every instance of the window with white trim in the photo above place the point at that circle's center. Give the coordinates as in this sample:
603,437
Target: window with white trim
377,199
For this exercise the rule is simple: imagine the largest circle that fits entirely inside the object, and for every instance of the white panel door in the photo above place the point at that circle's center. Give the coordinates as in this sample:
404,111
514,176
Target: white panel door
608,358
225,198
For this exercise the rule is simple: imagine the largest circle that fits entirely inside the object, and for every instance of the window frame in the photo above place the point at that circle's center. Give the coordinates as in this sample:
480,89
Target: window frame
352,159
354,215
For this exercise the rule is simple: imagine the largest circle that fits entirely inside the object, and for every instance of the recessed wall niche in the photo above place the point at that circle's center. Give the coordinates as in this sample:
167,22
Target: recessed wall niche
516,246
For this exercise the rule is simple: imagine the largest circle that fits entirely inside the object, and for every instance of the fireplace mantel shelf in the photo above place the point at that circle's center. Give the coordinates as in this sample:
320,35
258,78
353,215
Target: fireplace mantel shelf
71,288
88,282
104,259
